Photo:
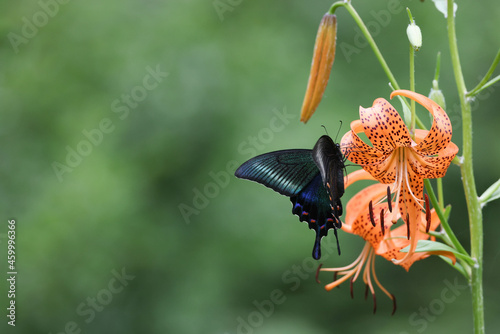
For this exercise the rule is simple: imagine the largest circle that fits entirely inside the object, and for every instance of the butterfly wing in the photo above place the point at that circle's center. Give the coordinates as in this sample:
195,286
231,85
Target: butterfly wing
286,172
312,205
330,162
295,174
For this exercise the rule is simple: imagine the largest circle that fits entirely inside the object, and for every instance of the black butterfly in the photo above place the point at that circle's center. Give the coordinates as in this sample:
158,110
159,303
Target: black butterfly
313,179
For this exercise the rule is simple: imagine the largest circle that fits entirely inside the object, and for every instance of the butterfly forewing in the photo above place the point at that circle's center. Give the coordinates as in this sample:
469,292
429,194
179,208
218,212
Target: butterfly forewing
286,172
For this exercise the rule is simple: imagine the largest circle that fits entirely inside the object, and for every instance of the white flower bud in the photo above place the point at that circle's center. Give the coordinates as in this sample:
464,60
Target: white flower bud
436,95
442,6
414,36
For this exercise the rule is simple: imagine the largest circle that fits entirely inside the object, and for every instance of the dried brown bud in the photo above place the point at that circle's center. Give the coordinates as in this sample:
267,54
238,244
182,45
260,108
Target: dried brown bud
324,54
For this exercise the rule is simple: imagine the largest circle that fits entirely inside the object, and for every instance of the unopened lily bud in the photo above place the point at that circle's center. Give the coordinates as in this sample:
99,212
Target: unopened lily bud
414,36
324,54
436,95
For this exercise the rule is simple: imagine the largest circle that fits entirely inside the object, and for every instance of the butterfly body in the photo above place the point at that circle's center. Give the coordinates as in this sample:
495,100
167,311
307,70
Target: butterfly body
313,179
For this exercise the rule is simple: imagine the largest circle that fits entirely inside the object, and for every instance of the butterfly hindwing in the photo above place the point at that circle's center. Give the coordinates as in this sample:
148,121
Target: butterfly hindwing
312,205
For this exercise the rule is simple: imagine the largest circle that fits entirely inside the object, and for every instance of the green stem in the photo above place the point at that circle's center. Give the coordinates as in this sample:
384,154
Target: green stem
410,17
448,237
444,222
438,66
440,193
336,5
482,84
490,192
372,43
486,85
412,88
347,4
473,205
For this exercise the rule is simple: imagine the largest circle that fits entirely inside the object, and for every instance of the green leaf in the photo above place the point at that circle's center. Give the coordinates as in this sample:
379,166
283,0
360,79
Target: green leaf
456,266
433,246
435,234
491,194
447,211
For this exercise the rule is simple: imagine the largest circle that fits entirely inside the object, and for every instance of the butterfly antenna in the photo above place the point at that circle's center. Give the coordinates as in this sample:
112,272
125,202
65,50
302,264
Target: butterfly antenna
337,136
324,127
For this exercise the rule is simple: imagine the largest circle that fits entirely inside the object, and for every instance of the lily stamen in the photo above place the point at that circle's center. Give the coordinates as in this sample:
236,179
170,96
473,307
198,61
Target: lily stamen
427,213
317,273
347,272
389,198
365,261
370,211
408,225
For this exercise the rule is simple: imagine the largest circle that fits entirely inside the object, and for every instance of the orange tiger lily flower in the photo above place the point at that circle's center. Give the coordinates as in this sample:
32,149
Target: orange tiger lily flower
383,238
397,159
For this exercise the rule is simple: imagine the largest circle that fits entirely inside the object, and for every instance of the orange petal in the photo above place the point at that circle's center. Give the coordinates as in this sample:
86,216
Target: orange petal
430,167
440,134
384,171
350,142
397,239
357,176
358,204
349,180
409,207
384,127
374,161
324,54
390,247
364,228
449,255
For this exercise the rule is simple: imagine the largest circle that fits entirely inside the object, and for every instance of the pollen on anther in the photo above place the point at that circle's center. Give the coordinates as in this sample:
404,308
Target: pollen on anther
382,225
394,306
370,209
389,198
427,213
408,225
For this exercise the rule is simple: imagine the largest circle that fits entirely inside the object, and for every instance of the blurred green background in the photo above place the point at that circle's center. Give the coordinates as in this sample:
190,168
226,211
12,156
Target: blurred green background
80,81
